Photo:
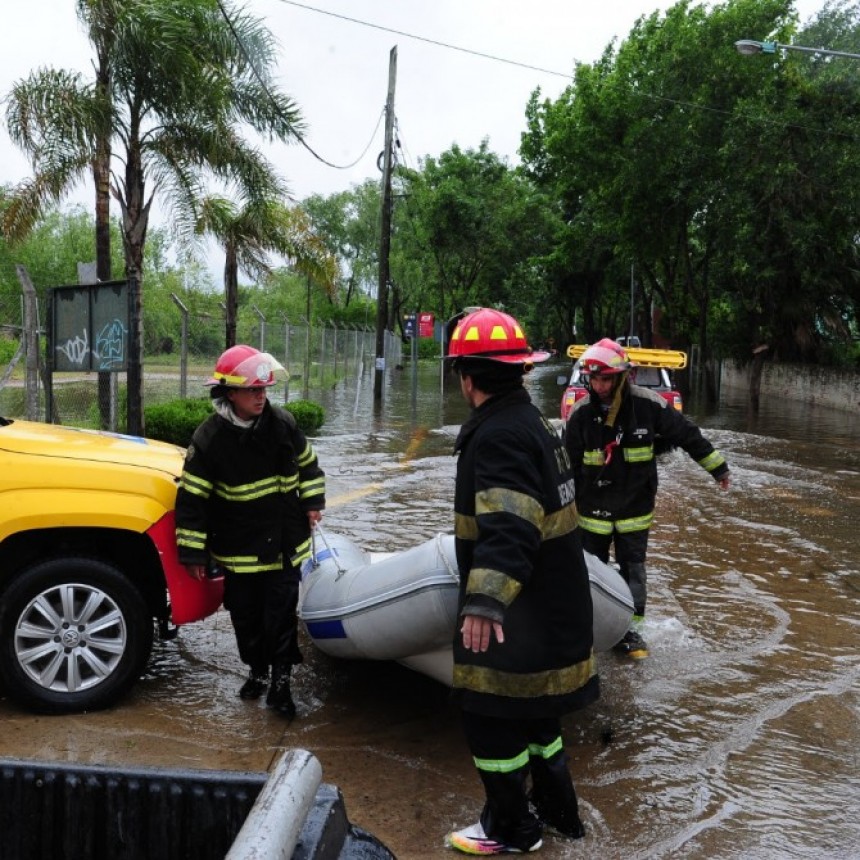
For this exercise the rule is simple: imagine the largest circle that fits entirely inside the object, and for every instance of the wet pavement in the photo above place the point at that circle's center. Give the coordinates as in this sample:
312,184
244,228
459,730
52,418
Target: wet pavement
737,738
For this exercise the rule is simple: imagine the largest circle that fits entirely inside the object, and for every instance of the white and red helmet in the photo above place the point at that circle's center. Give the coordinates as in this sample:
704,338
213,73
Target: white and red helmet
242,366
604,358
492,334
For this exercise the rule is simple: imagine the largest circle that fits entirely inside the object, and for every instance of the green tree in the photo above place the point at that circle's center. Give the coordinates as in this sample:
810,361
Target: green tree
182,76
467,229
249,235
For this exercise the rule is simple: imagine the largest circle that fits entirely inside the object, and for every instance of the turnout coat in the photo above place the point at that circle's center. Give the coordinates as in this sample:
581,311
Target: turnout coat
245,492
521,563
615,466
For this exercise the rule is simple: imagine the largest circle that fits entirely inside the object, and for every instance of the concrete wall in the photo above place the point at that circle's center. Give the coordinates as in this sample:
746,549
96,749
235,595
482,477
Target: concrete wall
836,389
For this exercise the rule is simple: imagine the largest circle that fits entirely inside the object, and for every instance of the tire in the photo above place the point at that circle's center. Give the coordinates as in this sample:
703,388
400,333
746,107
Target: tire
75,634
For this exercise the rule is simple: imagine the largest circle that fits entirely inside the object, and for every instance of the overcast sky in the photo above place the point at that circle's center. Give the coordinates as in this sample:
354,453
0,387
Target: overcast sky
337,71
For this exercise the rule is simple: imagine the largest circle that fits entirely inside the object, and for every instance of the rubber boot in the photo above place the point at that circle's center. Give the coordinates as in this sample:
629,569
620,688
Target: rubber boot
280,698
554,796
255,685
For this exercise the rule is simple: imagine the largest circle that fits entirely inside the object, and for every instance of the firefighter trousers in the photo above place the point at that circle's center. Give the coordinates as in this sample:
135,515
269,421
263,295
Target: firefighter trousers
630,549
262,607
506,753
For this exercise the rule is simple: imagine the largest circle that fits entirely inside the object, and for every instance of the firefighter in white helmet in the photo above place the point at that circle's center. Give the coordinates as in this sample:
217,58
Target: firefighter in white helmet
523,649
612,437
250,494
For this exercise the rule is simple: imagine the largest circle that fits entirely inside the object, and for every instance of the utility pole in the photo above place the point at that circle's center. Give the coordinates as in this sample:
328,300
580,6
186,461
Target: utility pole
385,237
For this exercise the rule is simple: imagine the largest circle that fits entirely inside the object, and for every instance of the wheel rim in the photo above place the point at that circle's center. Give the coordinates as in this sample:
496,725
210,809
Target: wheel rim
70,637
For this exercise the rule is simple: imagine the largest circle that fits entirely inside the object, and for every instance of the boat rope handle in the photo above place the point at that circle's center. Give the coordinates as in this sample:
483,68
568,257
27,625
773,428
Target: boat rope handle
455,575
318,528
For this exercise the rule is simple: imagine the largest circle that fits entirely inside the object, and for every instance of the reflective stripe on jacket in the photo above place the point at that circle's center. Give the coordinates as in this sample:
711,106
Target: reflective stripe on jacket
244,494
521,563
621,489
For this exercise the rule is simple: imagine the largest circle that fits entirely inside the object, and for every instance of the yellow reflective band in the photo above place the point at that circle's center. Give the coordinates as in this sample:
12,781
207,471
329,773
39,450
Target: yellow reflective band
249,492
502,765
532,685
548,751
194,485
247,563
494,584
307,455
465,527
639,455
497,500
312,488
472,333
560,523
634,524
191,539
228,379
597,527
593,458
498,333
303,551
712,461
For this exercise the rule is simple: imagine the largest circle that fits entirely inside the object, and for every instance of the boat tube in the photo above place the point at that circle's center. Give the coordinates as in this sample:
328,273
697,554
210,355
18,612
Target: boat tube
403,606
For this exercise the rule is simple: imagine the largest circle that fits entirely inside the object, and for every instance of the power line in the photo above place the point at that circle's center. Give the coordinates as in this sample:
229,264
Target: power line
429,41
277,107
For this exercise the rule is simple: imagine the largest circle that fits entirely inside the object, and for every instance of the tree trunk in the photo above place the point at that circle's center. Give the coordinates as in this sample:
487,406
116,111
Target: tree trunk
231,294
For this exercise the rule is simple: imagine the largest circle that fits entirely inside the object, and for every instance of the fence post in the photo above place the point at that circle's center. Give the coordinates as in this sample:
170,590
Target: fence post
334,326
262,328
30,337
286,357
307,368
183,347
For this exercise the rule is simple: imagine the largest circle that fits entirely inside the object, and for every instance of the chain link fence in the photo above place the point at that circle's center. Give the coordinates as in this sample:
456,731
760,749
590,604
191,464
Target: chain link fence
316,357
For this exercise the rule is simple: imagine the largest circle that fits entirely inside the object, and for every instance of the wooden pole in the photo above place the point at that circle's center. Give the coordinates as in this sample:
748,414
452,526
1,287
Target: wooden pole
385,237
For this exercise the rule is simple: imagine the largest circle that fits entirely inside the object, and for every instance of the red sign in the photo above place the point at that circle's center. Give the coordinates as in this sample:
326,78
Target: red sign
425,324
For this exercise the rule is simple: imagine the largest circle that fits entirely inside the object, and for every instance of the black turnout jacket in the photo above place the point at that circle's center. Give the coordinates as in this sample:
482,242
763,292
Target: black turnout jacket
245,492
521,563
614,467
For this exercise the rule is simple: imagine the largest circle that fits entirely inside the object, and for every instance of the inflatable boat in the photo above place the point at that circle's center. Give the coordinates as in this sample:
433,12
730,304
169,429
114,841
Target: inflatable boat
403,606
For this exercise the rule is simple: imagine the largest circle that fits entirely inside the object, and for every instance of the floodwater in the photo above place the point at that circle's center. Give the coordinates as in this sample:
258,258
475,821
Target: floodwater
737,738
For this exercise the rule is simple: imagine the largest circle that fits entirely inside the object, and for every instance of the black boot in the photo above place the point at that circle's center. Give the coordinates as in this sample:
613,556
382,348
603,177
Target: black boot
280,698
255,686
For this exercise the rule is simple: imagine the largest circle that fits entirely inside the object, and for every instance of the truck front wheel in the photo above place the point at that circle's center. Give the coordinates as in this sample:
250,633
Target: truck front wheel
75,634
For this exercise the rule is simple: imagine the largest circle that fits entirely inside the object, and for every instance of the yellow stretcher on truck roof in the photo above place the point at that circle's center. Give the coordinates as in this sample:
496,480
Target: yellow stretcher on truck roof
672,359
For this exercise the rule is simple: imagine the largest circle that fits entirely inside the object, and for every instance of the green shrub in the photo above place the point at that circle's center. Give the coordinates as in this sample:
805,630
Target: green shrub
309,416
8,348
177,420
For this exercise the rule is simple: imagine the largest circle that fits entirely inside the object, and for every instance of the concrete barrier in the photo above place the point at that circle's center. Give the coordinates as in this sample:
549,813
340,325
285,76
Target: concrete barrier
827,386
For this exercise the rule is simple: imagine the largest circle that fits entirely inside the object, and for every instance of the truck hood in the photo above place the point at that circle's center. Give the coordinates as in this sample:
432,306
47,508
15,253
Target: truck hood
33,439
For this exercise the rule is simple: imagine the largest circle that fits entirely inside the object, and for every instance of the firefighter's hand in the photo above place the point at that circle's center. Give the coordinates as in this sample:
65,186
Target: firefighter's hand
314,517
198,571
724,482
476,632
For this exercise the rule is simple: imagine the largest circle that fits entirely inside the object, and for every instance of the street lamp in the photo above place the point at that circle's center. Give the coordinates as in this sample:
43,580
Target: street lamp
751,46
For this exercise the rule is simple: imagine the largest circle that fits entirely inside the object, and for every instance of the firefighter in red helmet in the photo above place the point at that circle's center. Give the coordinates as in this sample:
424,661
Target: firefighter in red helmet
612,438
523,652
250,494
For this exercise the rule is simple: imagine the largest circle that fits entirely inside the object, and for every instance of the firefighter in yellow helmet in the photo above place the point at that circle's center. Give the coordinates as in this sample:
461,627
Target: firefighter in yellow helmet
523,649
250,494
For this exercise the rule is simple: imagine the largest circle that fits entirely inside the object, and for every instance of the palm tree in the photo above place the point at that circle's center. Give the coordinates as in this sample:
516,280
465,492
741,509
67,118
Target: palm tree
251,233
180,77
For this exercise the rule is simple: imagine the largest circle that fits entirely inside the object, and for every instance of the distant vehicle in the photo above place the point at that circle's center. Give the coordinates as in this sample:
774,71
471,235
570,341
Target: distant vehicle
652,370
632,340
